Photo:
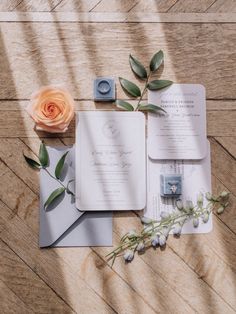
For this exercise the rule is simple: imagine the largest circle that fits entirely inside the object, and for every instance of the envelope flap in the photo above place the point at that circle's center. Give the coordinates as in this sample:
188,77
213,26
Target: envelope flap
63,212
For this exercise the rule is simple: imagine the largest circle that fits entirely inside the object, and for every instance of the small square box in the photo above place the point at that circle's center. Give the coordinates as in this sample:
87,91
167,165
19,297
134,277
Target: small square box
104,89
171,185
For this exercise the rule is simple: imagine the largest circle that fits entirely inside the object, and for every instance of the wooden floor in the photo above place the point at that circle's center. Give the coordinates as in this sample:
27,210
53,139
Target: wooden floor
72,42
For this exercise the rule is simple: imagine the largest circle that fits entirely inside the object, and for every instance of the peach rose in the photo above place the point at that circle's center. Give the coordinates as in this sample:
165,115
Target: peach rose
52,108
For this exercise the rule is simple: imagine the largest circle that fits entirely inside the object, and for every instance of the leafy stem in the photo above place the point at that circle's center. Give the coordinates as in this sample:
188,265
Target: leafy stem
43,163
133,90
66,187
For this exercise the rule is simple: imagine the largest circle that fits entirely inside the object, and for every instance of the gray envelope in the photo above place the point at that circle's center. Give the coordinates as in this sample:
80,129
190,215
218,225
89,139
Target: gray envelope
63,224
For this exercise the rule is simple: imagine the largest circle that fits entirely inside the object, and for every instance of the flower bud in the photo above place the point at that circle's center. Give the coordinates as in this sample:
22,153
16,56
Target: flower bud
189,205
162,240
164,215
147,230
195,222
146,220
165,231
224,195
154,240
132,234
177,229
200,200
220,210
205,217
128,255
140,247
179,205
208,196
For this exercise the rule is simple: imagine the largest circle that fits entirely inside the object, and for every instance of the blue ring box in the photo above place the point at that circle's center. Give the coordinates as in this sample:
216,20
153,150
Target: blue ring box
104,89
170,185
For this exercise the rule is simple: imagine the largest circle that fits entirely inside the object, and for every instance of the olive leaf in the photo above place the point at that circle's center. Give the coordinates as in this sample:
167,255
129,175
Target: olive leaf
137,67
150,108
124,105
158,84
43,155
60,165
32,163
130,88
156,60
67,187
53,196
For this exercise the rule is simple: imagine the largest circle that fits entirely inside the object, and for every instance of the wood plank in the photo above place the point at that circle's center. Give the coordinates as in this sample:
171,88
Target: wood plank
115,6
23,280
8,5
151,6
192,6
223,166
30,47
104,17
229,144
223,6
39,5
10,303
76,5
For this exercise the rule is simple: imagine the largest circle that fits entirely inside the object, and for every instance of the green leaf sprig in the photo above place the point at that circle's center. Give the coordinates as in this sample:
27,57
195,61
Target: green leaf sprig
133,90
155,232
43,163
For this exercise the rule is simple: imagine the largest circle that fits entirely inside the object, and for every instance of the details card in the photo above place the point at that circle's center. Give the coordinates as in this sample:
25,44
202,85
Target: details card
200,170
181,132
110,161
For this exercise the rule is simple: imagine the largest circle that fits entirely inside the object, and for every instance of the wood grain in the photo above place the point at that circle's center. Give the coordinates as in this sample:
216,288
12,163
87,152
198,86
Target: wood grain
79,60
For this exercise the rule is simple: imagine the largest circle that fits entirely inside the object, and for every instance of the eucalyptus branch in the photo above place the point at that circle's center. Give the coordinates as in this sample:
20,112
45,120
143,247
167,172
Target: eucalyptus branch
156,232
43,163
134,91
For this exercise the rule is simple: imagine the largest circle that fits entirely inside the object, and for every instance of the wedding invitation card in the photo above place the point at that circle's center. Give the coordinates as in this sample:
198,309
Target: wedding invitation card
196,178
110,161
181,132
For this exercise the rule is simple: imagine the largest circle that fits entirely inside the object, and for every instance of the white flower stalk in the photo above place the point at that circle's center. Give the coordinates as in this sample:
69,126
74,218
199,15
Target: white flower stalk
220,210
195,222
208,196
154,240
177,229
128,255
157,232
164,215
205,217
140,247
162,240
179,205
146,220
200,200
132,234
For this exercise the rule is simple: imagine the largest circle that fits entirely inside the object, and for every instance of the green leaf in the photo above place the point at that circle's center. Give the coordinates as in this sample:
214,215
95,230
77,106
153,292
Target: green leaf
53,196
32,163
124,105
151,108
137,68
157,60
59,166
43,155
130,88
158,84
